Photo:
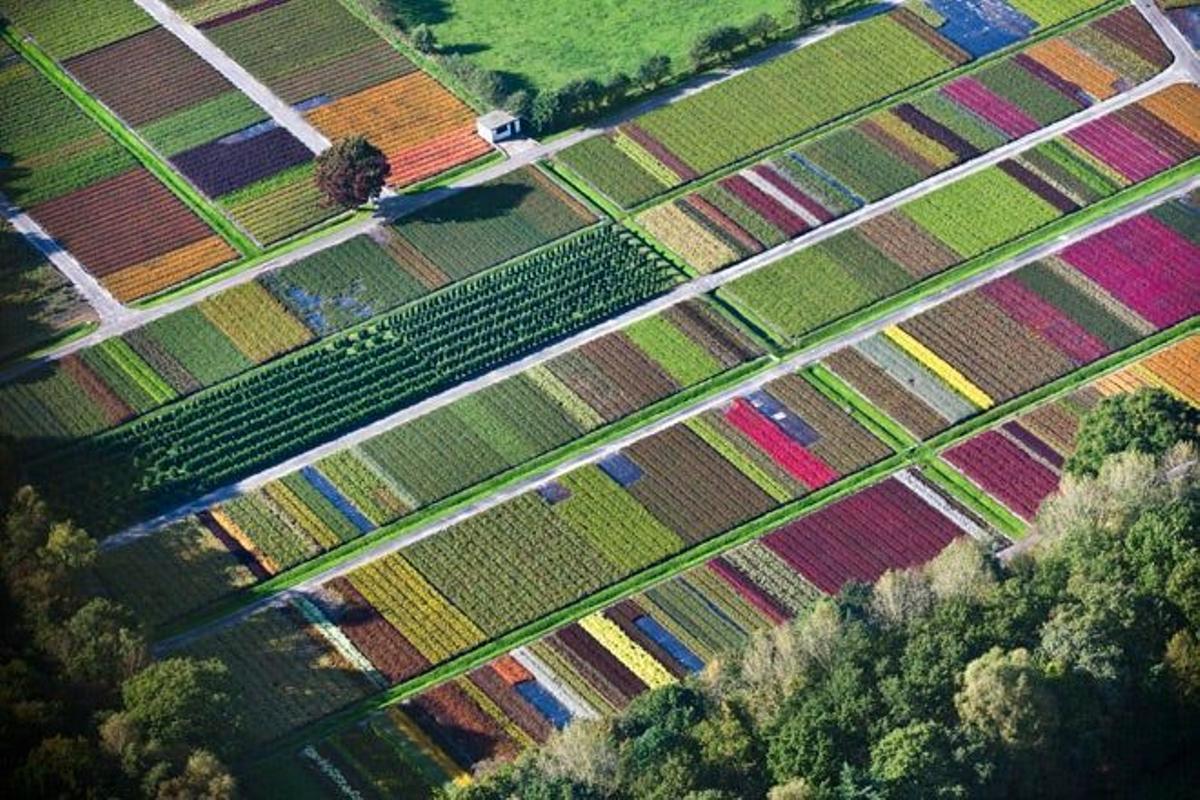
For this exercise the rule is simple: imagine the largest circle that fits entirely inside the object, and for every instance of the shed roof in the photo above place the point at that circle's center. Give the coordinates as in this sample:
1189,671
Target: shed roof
496,119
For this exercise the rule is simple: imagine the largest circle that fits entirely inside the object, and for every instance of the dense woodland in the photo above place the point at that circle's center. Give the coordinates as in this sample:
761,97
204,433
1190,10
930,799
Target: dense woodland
1071,669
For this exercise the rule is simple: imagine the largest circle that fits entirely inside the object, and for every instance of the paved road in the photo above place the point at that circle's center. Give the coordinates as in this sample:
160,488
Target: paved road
108,308
283,114
1185,56
395,206
783,367
684,292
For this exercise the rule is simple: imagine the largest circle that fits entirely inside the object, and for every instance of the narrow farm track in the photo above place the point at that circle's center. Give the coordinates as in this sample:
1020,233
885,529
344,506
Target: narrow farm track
1186,68
692,289
281,112
109,309
395,206
780,368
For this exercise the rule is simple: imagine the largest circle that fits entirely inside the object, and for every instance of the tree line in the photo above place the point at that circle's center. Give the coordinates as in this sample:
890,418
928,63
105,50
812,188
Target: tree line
548,109
85,712
1071,669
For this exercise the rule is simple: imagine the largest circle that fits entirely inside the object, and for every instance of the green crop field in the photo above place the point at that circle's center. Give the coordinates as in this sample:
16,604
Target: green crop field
566,39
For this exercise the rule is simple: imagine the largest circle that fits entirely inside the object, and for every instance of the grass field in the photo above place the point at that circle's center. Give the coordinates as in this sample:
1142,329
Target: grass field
567,39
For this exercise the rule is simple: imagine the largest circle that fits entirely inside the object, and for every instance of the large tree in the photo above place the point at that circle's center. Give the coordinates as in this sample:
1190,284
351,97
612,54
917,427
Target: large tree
352,172
1148,421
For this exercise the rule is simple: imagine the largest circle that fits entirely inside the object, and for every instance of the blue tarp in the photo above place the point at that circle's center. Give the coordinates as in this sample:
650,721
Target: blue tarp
783,417
546,703
982,26
675,648
621,469
554,492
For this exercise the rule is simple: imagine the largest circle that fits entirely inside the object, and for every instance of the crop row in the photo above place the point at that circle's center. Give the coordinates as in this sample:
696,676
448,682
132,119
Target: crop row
896,148
595,525
1034,325
349,379
321,294
88,193
350,81
1020,464
599,664
526,557
970,216
762,107
433,456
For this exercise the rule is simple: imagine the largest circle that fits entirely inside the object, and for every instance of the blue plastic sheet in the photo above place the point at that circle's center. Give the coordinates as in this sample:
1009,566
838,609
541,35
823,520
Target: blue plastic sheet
982,26
621,469
784,418
675,648
546,704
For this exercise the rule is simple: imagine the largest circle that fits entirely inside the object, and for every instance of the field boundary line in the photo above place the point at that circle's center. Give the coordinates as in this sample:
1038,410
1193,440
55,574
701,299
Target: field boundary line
721,543
251,87
400,534
115,128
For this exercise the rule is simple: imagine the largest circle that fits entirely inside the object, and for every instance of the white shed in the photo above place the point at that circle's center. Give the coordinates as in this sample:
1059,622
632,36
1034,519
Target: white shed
496,126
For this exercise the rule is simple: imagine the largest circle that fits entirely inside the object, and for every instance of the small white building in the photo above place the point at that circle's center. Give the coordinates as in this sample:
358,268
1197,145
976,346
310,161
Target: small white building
496,126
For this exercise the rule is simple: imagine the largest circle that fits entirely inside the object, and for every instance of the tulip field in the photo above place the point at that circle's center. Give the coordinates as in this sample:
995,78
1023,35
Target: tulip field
559,422
90,194
593,526
757,110
248,325
810,185
421,462
348,80
662,634
1021,462
344,381
1034,325
953,224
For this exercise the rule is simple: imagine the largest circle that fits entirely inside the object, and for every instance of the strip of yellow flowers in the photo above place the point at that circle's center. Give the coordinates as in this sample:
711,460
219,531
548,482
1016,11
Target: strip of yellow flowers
627,651
938,366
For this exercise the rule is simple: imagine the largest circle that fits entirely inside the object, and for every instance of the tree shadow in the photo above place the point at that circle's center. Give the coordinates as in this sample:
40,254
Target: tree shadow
464,49
474,204
411,13
511,82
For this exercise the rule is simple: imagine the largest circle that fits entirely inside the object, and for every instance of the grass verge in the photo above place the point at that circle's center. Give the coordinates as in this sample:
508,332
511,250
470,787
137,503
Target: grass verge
719,544
109,123
599,437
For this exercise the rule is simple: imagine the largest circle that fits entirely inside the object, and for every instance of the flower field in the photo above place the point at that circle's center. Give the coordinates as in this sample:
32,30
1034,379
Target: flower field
351,378
88,192
758,109
1034,325
417,607
949,226
1020,463
423,461
348,81
598,665
37,303
214,135
326,292
813,183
